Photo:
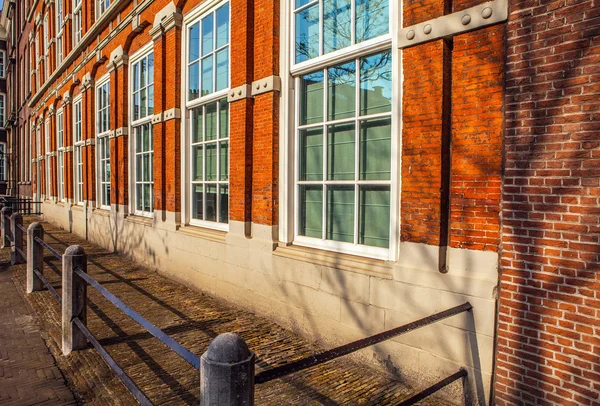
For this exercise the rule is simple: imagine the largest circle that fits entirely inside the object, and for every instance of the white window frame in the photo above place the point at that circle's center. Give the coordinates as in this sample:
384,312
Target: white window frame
78,144
101,7
60,154
48,146
102,141
289,121
46,25
2,64
3,110
142,53
77,21
191,18
60,25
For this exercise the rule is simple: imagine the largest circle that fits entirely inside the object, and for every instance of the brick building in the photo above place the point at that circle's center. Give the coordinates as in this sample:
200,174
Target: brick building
341,167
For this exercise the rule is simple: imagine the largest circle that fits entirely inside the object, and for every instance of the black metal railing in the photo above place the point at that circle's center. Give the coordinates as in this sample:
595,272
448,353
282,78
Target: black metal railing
25,206
316,359
260,378
44,244
183,352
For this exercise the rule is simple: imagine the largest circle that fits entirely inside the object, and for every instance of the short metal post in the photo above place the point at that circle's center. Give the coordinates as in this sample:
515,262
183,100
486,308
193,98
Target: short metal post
6,211
16,256
74,299
35,257
227,373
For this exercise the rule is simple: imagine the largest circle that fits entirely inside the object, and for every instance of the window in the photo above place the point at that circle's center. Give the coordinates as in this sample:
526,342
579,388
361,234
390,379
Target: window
142,83
46,46
103,142
102,6
48,169
340,24
76,21
60,25
344,124
78,144
208,118
3,161
2,109
2,63
208,58
60,151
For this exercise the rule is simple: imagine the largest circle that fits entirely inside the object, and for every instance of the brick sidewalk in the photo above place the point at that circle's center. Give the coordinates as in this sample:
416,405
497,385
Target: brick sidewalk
28,372
193,319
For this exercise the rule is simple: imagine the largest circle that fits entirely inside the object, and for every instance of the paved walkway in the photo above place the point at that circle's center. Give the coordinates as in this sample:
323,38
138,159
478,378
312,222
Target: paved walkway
193,319
28,372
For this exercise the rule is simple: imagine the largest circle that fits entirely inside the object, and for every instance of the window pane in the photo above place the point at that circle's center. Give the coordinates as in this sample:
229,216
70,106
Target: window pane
340,152
337,26
135,78
139,193
197,202
311,211
376,84
223,204
307,34
211,161
207,75
374,217
210,132
224,161
194,47
223,119
342,91
138,167
311,154
147,197
222,69
193,79
223,25
207,35
197,125
311,98
151,100
138,138
143,103
197,162
211,203
151,68
143,72
340,213
372,19
146,168
136,106
375,149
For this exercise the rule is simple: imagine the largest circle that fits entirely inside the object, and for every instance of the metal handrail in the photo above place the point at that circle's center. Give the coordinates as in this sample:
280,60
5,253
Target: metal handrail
127,381
183,352
22,228
47,284
316,359
44,244
433,388
20,251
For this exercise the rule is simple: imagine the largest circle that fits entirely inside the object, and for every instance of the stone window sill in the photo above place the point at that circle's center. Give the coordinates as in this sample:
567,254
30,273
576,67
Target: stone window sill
346,262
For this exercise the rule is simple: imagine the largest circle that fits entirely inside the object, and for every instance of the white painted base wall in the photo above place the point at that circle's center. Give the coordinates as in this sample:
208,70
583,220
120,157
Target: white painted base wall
330,298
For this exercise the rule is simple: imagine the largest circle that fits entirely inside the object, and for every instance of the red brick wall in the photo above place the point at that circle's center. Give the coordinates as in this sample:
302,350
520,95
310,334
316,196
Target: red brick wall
452,135
477,129
548,329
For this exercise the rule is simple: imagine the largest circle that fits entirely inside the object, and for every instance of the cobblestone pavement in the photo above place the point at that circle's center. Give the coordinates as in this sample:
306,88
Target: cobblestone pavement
28,372
193,319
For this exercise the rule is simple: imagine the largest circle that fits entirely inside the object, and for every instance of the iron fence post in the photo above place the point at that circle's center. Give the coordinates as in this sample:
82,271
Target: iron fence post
35,257
74,299
227,373
16,253
6,211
